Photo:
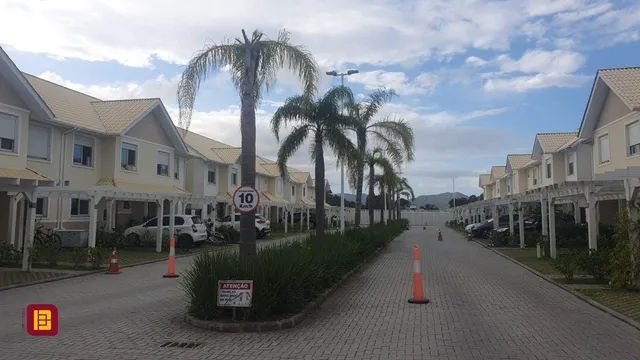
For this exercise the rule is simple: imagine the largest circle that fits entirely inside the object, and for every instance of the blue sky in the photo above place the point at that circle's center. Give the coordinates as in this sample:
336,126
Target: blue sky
476,79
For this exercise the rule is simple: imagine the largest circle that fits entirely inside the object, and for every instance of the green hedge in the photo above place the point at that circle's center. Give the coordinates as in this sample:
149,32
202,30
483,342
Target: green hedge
286,277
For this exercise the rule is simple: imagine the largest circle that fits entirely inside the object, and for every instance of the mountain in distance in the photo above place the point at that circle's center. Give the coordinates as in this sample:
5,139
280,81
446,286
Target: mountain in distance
439,200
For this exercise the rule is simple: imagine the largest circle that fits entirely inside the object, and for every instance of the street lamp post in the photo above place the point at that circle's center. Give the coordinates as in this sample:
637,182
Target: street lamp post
342,75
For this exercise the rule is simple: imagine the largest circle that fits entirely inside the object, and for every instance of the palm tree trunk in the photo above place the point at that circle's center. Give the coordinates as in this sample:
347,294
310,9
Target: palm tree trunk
359,181
390,208
382,197
320,221
370,195
399,213
248,133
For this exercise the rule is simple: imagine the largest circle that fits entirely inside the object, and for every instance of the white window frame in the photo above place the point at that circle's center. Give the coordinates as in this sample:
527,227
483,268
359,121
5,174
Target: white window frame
599,141
123,146
122,209
176,167
45,207
215,176
17,131
548,168
93,151
636,145
293,190
168,163
78,214
49,145
234,171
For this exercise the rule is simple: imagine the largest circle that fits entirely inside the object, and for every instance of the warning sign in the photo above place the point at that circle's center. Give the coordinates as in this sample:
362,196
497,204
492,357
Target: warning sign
246,199
235,293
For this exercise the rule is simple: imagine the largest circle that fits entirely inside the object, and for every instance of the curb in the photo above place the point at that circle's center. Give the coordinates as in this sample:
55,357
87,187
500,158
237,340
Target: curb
286,323
90,272
580,296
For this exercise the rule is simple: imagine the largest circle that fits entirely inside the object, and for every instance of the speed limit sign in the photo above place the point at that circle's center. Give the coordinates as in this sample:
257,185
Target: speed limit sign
246,199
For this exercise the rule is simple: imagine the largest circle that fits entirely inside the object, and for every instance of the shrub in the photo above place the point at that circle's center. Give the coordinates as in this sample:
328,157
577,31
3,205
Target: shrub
9,254
287,276
114,239
79,257
595,263
567,264
97,256
624,272
570,235
230,234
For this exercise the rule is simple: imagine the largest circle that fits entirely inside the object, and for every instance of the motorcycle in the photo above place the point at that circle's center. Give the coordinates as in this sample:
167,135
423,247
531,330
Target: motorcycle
214,237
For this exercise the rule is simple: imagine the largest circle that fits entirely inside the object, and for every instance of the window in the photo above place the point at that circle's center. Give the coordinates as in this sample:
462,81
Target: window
211,177
293,190
162,167
83,151
570,168
633,138
79,207
39,142
42,206
176,169
304,191
548,168
603,149
128,159
234,176
152,222
9,130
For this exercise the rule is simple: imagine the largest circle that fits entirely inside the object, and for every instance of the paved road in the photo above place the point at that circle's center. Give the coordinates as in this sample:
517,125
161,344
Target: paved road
483,307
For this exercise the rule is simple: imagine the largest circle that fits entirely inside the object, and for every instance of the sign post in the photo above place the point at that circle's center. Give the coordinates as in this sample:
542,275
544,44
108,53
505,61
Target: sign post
235,294
246,199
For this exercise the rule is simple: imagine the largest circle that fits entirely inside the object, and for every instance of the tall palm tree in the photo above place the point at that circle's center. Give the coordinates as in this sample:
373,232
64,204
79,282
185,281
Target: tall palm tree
322,122
373,158
253,64
395,136
403,189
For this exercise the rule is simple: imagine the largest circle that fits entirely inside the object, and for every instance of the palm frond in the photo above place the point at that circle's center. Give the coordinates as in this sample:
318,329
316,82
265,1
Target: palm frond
297,108
208,60
376,100
335,137
290,144
395,130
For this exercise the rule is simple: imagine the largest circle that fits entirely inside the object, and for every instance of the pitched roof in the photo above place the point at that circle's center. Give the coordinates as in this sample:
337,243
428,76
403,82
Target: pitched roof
518,161
202,145
484,179
550,142
497,172
299,177
625,82
81,110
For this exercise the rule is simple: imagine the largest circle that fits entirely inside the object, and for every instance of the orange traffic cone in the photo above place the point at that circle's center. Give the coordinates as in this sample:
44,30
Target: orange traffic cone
418,289
171,273
439,235
114,267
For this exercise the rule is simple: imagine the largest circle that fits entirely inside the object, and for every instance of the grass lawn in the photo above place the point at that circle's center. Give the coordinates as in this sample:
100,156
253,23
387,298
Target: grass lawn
623,301
528,257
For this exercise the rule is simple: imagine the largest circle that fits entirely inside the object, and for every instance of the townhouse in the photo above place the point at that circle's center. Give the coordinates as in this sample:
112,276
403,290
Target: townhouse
595,171
78,164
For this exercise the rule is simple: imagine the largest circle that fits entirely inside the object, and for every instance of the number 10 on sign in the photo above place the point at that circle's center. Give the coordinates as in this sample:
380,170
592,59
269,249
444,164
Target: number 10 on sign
246,199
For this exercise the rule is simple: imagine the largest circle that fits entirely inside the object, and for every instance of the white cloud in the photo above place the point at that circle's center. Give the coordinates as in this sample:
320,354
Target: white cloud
381,33
396,80
475,61
536,69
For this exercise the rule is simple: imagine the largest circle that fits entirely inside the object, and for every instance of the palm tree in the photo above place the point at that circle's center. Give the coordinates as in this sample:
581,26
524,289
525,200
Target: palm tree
322,122
373,158
403,189
252,64
395,136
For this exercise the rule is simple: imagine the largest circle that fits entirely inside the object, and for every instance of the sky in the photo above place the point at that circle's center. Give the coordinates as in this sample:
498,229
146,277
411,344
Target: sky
475,79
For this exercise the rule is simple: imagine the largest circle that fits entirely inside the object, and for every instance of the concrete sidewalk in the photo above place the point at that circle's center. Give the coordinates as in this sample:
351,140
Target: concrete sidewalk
482,307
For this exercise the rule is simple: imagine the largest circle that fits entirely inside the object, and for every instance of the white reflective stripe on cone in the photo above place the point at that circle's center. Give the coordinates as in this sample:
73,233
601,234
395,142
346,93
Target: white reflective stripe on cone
172,249
114,261
416,266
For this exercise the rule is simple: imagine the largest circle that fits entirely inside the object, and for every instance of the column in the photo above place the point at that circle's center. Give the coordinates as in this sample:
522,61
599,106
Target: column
93,218
553,251
11,221
205,214
576,213
21,210
511,225
496,217
109,222
286,221
28,235
308,221
521,223
301,222
543,208
172,218
592,223
159,215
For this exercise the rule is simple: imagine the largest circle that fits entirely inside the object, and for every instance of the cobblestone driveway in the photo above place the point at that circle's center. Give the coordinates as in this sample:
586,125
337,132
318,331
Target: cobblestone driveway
482,307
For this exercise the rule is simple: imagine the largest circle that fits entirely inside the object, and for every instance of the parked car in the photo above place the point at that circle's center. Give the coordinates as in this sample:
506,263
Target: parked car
263,226
189,229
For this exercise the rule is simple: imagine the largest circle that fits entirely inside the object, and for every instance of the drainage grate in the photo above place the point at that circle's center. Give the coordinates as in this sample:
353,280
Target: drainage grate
183,345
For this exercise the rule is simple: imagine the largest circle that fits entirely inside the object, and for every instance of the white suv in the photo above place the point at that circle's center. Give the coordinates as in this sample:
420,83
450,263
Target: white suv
263,226
189,229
